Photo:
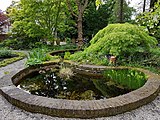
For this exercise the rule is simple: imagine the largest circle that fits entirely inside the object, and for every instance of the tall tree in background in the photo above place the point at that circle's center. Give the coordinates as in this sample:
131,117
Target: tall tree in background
151,19
144,5
120,14
81,6
119,11
152,2
96,19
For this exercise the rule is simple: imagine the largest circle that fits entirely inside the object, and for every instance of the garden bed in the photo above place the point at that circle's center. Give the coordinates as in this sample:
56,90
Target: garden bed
8,60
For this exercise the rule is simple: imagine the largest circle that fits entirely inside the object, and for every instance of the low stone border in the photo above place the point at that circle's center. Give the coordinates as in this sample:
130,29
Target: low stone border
55,52
5,62
54,55
82,109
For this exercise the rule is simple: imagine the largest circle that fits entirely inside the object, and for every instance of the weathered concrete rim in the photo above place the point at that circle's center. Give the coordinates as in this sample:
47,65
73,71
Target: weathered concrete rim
82,109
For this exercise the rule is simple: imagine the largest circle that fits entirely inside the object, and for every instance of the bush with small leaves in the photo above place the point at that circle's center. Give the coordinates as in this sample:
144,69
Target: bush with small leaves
125,41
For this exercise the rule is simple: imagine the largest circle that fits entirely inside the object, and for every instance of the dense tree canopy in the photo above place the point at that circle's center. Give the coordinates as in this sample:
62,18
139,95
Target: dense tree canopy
38,19
94,20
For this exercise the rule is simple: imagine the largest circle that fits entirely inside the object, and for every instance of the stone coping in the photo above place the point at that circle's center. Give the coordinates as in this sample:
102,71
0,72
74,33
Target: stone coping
81,109
56,52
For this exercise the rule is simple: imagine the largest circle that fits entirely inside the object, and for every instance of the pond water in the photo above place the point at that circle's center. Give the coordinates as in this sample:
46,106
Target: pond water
66,83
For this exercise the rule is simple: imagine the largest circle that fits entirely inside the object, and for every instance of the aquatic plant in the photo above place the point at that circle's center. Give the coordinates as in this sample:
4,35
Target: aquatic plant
66,73
125,78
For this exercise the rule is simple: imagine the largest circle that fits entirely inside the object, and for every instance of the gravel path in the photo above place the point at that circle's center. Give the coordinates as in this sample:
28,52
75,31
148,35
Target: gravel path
150,111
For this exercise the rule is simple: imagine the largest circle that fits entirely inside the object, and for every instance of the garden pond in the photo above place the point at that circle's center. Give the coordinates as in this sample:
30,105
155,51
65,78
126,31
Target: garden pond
73,84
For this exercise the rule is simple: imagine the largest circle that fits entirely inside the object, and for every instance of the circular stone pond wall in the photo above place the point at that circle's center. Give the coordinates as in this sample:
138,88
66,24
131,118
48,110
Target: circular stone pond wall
62,52
82,108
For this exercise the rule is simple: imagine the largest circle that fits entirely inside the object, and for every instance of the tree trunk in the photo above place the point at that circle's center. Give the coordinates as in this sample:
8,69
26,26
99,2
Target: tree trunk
152,2
144,5
120,15
79,26
81,4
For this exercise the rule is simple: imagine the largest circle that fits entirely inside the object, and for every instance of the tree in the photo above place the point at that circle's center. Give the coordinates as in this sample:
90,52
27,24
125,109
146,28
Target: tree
151,20
125,41
96,19
3,20
42,19
120,14
152,2
81,6
144,5
125,15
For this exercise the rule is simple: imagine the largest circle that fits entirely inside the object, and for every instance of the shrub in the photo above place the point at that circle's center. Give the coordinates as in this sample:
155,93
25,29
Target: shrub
154,59
4,53
18,44
125,41
37,56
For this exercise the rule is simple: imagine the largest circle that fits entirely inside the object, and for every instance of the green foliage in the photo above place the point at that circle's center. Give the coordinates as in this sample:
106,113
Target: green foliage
37,56
19,56
18,44
94,20
38,20
151,20
127,12
151,62
130,79
98,3
154,59
67,55
4,53
30,44
125,41
68,40
63,47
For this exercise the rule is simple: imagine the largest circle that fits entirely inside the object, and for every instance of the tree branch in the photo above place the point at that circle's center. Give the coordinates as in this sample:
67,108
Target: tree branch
85,5
77,2
70,8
